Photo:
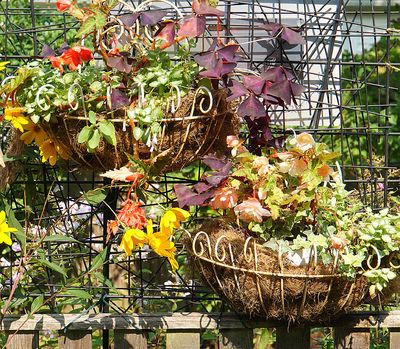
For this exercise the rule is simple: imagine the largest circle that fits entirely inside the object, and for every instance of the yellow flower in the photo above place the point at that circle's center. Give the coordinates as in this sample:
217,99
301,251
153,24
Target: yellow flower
50,149
161,245
3,65
133,238
33,132
4,229
172,219
16,117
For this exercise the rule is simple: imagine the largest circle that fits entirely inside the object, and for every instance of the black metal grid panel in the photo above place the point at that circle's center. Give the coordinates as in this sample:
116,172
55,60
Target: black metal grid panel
350,102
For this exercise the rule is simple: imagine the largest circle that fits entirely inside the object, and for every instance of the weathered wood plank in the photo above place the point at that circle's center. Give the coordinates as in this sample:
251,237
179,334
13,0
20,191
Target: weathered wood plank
23,339
350,338
236,339
183,340
394,338
178,321
293,337
74,339
128,339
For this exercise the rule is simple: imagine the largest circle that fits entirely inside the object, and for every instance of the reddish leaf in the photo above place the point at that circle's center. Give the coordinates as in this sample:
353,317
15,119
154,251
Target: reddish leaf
214,162
186,197
214,72
297,89
292,37
251,107
227,67
118,99
228,52
277,74
201,7
274,28
206,60
121,63
152,17
201,187
237,90
282,90
47,51
254,83
193,26
129,19
167,33
215,178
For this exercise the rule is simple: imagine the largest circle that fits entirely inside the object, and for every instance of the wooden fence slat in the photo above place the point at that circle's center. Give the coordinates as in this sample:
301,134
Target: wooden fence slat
350,338
128,339
23,339
293,337
236,339
394,338
183,340
74,339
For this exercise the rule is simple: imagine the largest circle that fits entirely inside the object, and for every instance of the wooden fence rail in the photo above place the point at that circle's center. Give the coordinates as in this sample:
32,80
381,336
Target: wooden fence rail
183,330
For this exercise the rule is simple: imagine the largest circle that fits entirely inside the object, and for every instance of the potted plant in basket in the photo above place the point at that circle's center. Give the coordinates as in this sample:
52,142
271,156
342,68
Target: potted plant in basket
129,90
286,240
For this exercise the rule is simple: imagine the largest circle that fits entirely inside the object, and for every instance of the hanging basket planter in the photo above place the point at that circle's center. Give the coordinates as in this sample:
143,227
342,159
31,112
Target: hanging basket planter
261,283
198,126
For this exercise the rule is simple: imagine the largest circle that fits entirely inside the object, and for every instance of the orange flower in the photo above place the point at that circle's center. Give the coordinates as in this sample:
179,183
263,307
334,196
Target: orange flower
64,5
224,198
337,242
72,57
132,215
325,171
251,210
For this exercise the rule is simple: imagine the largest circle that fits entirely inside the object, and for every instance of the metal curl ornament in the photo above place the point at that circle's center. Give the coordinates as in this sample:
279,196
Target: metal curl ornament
39,92
201,104
72,98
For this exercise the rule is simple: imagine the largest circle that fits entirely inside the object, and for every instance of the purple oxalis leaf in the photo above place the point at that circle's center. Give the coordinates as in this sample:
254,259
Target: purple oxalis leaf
167,33
254,83
274,28
292,37
282,90
214,72
186,197
47,51
121,63
64,47
297,89
193,26
251,107
237,90
277,74
206,60
118,99
202,8
227,67
217,177
152,17
228,52
129,19
202,187
214,162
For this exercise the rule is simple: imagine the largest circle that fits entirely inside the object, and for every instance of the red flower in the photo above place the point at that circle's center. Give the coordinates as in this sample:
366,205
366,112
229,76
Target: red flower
74,56
64,5
56,62
132,215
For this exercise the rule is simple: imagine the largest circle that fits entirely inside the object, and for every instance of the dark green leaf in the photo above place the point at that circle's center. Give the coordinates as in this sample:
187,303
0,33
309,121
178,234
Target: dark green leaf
85,134
56,267
81,294
99,260
14,223
108,130
94,141
37,303
96,196
60,238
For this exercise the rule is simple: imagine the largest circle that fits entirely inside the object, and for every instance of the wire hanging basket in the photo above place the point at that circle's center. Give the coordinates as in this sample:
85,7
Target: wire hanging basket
264,283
